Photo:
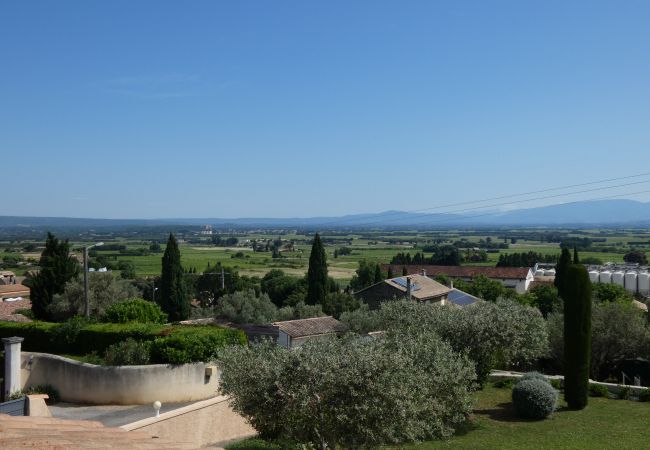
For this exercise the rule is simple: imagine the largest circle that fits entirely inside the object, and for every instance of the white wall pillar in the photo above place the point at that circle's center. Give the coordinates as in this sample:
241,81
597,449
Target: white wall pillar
12,365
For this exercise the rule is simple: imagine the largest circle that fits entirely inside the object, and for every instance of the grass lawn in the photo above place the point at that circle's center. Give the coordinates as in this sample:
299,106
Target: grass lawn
605,423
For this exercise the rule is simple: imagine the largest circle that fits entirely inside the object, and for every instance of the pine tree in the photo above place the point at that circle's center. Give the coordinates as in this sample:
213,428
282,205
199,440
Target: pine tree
173,296
561,271
57,268
317,273
378,276
577,336
576,259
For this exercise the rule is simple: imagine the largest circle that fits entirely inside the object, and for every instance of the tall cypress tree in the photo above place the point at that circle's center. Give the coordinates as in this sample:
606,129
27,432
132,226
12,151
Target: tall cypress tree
390,272
57,268
173,295
317,273
577,336
378,277
561,272
576,259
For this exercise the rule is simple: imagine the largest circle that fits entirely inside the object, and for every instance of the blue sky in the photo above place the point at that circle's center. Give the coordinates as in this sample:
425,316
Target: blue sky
143,109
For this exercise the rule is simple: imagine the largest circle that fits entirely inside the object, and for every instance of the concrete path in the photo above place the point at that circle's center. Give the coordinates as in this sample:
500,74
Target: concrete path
109,415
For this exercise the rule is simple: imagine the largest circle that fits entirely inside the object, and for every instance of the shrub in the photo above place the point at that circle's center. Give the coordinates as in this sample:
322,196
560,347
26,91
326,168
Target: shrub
534,376
624,393
52,393
135,310
128,353
27,312
598,390
534,399
557,384
351,392
203,344
505,383
644,396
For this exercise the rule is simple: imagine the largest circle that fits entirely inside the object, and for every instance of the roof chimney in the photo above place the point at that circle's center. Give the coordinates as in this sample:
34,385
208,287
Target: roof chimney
408,287
451,283
424,272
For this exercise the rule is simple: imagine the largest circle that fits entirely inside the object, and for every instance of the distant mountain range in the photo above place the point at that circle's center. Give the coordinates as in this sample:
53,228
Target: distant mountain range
591,213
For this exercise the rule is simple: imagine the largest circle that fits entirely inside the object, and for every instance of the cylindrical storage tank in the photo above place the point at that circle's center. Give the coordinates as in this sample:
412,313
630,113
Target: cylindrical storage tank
606,277
644,282
630,281
618,277
539,273
593,276
549,273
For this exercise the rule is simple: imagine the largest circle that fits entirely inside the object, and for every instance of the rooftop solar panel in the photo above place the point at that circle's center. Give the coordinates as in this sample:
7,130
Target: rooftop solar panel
402,282
461,298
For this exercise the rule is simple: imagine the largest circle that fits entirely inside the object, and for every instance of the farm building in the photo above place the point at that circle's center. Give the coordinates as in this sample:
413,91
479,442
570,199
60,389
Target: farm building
293,333
517,278
416,287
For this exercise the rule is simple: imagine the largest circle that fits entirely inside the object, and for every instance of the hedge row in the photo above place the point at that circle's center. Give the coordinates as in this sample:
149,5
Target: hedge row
76,338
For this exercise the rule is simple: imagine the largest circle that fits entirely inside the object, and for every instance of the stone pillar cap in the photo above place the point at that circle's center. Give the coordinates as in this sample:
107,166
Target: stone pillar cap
13,340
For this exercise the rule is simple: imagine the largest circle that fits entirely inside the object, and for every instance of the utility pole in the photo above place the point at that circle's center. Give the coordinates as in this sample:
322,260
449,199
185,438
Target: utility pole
223,279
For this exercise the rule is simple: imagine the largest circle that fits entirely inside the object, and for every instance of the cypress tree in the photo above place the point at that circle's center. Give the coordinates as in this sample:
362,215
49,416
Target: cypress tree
173,296
390,272
317,273
577,336
378,276
57,268
404,271
576,259
561,271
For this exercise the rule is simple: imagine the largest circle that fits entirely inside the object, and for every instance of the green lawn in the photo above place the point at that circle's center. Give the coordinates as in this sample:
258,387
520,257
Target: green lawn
605,423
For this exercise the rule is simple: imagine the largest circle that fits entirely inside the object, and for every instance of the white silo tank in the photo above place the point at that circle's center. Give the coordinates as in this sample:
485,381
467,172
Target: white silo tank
593,276
606,277
618,277
549,273
644,282
630,281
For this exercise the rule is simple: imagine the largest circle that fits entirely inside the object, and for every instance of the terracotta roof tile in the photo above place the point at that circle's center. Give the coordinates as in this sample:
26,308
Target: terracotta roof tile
311,327
519,273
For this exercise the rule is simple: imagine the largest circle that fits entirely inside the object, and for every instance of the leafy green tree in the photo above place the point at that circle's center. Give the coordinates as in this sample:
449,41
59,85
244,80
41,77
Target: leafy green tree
246,307
336,303
58,267
487,289
636,256
607,293
127,270
365,276
104,291
279,286
577,335
561,271
545,299
173,296
317,282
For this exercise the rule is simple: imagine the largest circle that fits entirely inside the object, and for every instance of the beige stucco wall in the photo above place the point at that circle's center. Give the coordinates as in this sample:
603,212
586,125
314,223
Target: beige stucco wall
210,422
122,385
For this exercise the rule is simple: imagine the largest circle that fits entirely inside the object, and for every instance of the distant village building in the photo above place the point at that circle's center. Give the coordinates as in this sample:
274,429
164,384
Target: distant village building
207,230
517,278
293,333
416,287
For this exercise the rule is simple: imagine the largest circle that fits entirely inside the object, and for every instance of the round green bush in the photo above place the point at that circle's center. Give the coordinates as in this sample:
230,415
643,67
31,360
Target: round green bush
598,390
135,310
534,399
644,396
534,376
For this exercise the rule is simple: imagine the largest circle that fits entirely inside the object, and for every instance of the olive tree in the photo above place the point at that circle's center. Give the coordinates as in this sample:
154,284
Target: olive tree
352,392
504,333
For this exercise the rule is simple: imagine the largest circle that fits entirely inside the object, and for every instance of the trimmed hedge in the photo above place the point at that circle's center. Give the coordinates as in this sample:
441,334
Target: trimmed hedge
77,338
534,376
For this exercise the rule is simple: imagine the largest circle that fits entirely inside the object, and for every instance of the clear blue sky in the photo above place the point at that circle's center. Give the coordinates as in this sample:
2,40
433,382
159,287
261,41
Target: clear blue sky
142,109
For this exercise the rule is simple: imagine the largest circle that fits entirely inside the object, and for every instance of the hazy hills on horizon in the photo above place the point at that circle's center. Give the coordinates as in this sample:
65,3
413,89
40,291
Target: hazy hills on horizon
598,212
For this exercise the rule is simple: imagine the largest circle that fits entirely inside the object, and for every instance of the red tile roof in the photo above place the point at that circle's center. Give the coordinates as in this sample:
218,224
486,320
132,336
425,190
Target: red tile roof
311,327
519,273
